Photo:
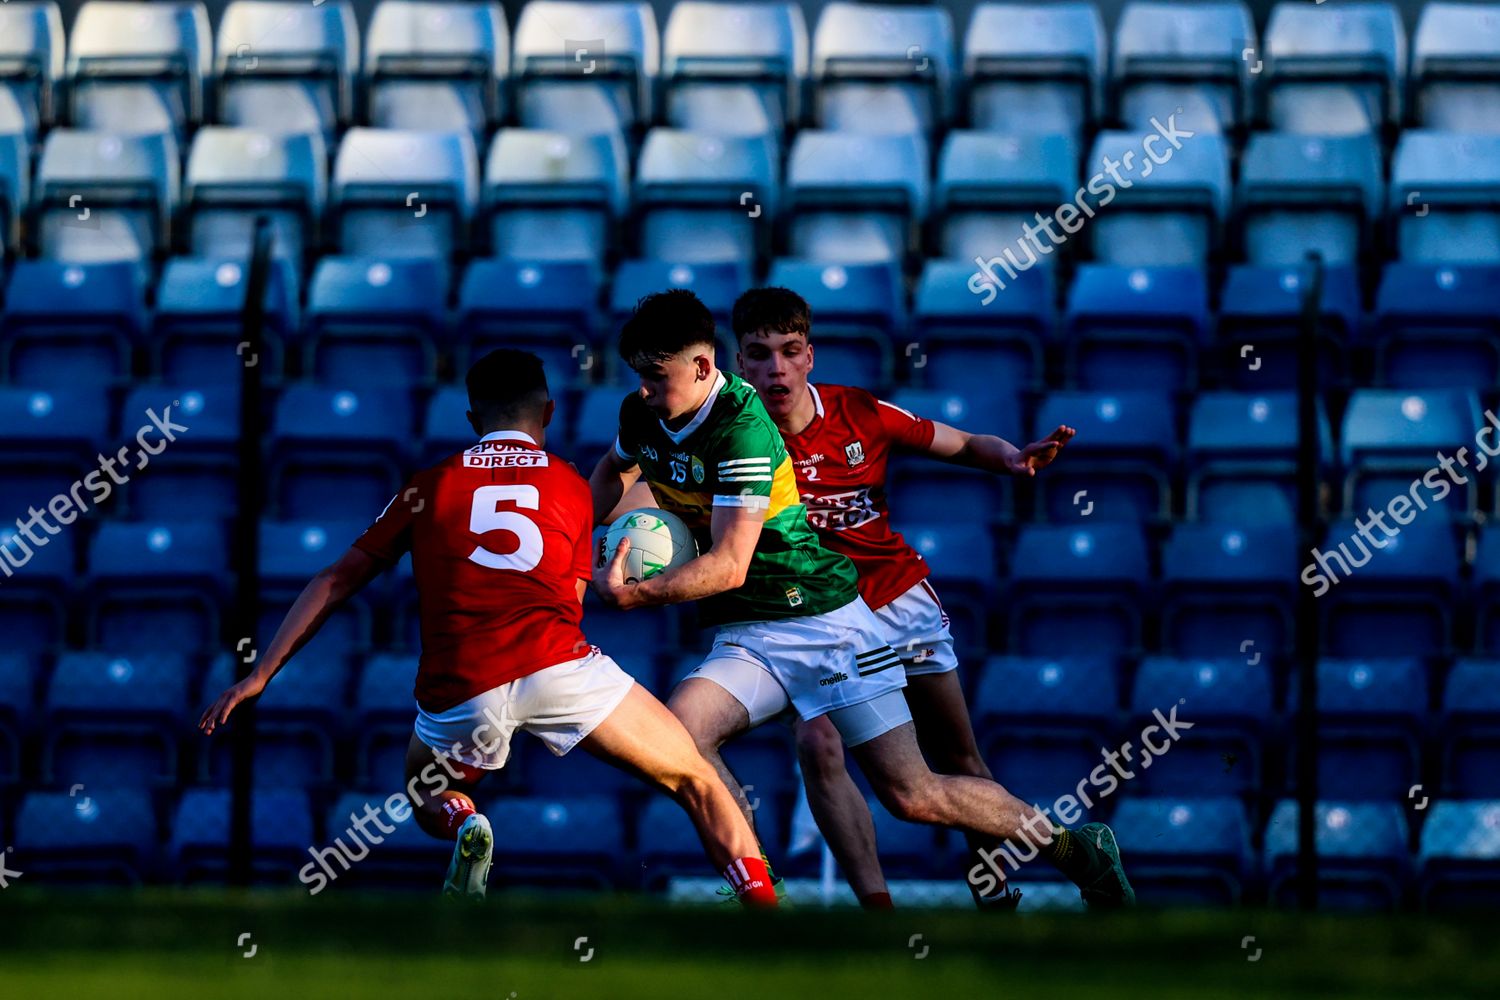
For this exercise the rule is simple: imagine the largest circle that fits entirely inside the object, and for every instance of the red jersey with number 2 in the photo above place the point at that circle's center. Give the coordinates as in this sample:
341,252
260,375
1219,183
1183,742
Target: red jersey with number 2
840,459
499,536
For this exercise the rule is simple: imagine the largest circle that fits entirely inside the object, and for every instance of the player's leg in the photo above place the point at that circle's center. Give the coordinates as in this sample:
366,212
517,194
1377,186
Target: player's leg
840,810
440,789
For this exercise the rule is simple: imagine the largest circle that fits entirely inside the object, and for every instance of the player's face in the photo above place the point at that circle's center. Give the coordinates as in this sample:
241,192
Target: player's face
777,364
673,387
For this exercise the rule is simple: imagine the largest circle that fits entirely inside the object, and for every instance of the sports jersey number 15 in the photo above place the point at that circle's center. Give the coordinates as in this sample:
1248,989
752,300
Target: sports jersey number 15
485,516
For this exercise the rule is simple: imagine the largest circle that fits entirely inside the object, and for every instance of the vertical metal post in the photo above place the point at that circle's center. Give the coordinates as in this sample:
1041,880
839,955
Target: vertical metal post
1309,531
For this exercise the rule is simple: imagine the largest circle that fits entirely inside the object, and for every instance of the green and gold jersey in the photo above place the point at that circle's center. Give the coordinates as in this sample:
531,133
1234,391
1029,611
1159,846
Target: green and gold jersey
731,454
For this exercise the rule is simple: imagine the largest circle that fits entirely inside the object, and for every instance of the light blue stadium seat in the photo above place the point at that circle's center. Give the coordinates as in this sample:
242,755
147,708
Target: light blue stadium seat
1392,601
1260,325
887,70
72,324
919,486
198,323
717,286
989,188
586,67
1192,850
736,68
1392,436
1471,729
1242,450
1077,590
102,196
572,842
975,344
1455,68
1124,456
860,308
194,477
1299,193
1459,857
108,835
112,719
437,65
376,321
157,585
139,67
1035,67
1136,327
1226,584
404,193
1228,702
33,51
596,425
1187,58
385,706
1435,326
286,66
1364,862
705,198
281,831
853,198
1175,207
549,195
1334,70
543,306
235,175
293,552
338,449
1444,192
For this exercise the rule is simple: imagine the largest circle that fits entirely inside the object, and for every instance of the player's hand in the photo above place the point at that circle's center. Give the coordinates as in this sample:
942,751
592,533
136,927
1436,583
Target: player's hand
217,714
609,577
1039,454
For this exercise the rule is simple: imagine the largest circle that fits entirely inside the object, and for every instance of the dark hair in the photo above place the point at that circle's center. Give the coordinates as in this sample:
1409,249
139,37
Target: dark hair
507,387
664,324
771,308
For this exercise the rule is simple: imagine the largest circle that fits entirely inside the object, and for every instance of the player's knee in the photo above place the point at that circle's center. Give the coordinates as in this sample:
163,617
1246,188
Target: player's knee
820,749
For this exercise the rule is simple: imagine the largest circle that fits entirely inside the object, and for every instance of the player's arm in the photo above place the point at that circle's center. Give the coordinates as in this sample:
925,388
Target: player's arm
735,531
995,454
611,484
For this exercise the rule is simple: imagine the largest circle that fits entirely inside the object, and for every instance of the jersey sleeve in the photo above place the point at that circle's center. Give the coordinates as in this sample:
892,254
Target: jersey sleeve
902,428
627,440
389,538
582,515
744,463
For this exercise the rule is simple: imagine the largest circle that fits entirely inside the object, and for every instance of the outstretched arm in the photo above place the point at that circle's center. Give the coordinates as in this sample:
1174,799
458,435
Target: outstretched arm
995,454
723,567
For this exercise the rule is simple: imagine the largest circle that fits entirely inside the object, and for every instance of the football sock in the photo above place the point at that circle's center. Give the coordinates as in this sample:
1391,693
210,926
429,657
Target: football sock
877,901
751,880
979,849
456,809
1075,856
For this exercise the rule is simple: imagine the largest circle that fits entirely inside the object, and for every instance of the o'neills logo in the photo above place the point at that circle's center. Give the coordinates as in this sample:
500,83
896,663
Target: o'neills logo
840,676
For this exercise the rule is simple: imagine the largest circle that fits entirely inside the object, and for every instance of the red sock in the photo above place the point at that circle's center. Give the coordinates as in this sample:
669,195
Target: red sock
455,811
752,882
877,901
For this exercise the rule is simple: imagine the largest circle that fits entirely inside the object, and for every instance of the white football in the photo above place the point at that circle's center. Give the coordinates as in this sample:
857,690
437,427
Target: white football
658,541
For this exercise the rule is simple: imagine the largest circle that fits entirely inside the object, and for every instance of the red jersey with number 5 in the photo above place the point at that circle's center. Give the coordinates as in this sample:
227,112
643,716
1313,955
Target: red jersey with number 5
499,536
840,460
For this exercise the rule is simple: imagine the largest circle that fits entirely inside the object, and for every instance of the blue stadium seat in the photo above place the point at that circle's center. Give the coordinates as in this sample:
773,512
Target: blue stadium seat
17,710
403,859
585,67
1041,722
1334,71
287,66
1363,859
376,321
1435,326
596,424
1191,851
1124,456
106,835
103,196
572,842
989,189
1227,701
15,183
1225,584
1242,450
138,67
113,720
34,48
668,842
1455,68
1471,730
199,321
919,486
1390,438
1459,858
404,193
281,832
549,195
1299,193
544,306
1076,590
446,428
384,706
701,197
854,198
859,309
1392,601
1136,327
1371,717
717,286
293,552
1444,190
195,475
976,345
886,70
437,65
338,449
638,642
236,175
764,764
1260,316
1187,57
1035,67
38,583
1486,593
156,585
734,67
72,324
1174,207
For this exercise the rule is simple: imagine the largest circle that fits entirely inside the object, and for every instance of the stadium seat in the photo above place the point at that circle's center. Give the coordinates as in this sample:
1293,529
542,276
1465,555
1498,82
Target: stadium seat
18,674
70,325
113,720
156,586
918,486
549,195
973,345
1187,57
1372,714
1363,859
1300,193
736,68
1455,68
989,189
1169,207
281,833
1227,584
285,66
1444,190
586,67
376,321
859,308
1435,326
1136,327
855,198
1227,700
717,286
1077,590
15,185
1459,858
546,307
886,70
1192,851
1124,457
384,706
964,567
596,424
194,476
437,66
337,449
669,843
402,859
199,321
33,51
1260,325
571,842
1486,593
1396,600
138,67
638,642
1334,71
236,175
102,196
1471,729
404,193
1390,438
107,835
703,198
1242,450
1035,67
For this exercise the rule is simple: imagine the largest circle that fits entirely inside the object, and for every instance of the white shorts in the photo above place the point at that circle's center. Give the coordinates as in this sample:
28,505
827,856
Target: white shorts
917,628
560,704
828,664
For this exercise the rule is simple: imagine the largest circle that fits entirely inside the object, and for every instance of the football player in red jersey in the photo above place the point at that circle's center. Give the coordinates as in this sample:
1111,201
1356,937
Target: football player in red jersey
501,542
840,438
